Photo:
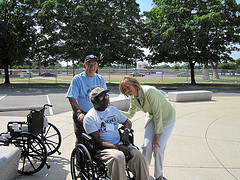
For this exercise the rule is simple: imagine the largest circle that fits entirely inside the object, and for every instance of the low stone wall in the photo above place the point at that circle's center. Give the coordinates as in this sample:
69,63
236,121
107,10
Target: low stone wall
180,96
121,102
9,160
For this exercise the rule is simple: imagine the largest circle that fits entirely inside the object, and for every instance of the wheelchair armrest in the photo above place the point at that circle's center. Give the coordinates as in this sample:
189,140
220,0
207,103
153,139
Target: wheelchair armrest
122,128
87,137
18,122
89,142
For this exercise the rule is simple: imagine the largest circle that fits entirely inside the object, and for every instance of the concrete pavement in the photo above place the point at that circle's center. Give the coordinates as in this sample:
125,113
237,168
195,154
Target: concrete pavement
205,143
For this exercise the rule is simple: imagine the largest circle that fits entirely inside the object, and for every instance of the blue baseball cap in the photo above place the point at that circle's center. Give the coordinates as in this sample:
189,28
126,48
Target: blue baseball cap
91,58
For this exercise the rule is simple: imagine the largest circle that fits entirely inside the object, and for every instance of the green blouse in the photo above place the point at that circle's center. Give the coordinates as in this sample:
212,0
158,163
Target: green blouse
152,101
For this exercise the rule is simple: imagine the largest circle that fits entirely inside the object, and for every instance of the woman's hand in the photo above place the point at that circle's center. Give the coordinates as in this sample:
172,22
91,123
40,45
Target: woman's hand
155,142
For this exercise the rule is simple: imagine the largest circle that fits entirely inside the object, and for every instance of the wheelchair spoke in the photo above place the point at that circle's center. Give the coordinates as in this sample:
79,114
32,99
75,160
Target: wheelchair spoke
24,160
50,145
50,142
36,157
51,135
51,138
31,163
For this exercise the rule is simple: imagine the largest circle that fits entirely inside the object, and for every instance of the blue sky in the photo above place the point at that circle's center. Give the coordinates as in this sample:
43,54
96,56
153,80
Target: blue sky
146,5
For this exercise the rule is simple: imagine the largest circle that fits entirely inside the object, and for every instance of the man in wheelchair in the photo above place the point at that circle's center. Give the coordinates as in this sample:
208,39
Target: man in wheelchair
101,122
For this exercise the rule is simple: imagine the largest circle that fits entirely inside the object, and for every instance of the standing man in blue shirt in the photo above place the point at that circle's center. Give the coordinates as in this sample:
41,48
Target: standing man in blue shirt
79,90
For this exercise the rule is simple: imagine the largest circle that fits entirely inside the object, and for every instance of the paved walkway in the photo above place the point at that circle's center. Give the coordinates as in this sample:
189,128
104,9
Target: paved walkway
205,143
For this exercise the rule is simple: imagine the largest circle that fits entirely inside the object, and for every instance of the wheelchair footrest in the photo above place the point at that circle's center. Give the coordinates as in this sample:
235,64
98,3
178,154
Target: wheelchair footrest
4,137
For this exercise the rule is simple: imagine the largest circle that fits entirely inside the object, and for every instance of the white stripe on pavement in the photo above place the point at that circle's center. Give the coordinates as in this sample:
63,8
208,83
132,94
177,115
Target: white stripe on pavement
3,96
50,108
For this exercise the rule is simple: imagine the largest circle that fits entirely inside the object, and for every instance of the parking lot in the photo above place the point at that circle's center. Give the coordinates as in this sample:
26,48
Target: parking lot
16,101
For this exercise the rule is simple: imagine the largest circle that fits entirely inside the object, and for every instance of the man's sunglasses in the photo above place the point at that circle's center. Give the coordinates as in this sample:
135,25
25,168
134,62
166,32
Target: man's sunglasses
102,97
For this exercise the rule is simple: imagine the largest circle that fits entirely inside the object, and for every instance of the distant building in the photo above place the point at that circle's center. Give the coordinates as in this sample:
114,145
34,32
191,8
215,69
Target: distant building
141,64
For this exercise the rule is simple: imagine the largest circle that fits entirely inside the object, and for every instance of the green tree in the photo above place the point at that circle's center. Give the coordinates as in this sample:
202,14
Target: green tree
109,29
165,66
218,23
237,63
194,31
177,66
227,65
17,32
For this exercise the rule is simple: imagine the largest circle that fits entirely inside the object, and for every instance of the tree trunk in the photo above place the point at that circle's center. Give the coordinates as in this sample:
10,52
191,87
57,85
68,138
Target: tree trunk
205,75
7,80
193,82
73,68
215,73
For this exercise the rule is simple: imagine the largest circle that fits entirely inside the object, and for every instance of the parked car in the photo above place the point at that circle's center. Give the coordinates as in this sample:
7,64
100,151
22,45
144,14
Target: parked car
28,72
159,73
48,74
135,73
183,74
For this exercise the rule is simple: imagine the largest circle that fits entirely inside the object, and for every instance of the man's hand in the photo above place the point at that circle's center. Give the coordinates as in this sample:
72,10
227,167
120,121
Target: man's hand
76,109
126,150
80,117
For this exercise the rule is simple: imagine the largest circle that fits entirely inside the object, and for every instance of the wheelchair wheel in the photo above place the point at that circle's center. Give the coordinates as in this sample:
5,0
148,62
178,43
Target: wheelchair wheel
33,153
81,164
51,137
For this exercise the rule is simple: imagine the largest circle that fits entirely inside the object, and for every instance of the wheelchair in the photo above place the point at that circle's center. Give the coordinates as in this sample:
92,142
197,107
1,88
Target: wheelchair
85,165
37,139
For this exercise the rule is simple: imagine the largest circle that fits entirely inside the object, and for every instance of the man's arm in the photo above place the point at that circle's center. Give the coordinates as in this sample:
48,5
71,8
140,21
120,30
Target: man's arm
102,144
76,109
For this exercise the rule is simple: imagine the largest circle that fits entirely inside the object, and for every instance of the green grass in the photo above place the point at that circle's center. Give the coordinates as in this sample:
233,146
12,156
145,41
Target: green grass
169,81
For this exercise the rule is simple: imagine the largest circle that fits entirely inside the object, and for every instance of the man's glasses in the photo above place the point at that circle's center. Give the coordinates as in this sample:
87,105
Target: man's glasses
92,64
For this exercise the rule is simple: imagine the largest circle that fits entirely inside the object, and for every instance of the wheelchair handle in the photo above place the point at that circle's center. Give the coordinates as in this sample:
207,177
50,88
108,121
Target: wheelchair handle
47,105
44,107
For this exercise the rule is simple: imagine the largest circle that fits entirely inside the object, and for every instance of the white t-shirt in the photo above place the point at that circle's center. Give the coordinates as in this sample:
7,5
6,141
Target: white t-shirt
106,122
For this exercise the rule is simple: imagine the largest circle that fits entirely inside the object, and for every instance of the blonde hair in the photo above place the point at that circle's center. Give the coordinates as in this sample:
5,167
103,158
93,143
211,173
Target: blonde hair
128,81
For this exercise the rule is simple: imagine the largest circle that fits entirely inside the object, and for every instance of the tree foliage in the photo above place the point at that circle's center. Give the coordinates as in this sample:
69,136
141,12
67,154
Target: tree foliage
17,32
109,29
48,31
196,31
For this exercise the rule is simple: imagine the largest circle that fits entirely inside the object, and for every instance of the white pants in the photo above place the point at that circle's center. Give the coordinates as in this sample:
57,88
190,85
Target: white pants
147,148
